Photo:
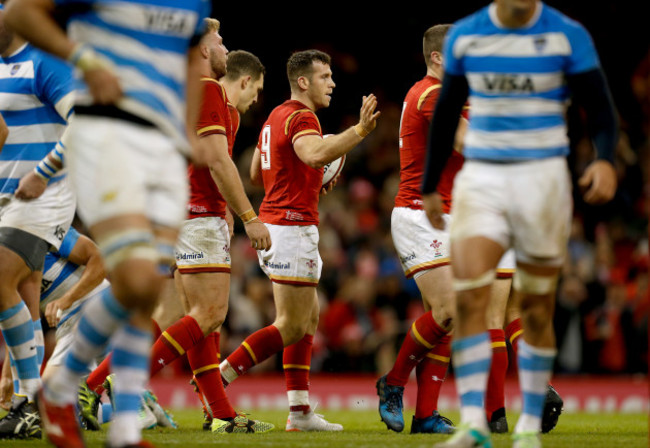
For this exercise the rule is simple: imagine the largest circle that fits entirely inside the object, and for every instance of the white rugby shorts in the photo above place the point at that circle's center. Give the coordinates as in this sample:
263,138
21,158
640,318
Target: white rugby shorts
203,246
119,168
47,217
421,247
293,258
525,205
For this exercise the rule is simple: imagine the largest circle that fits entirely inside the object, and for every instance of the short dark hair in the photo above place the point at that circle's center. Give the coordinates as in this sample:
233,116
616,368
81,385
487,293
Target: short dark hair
433,39
243,63
301,63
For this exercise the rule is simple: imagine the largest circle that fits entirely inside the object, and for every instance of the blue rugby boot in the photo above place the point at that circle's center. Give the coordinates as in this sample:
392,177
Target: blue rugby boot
390,404
434,424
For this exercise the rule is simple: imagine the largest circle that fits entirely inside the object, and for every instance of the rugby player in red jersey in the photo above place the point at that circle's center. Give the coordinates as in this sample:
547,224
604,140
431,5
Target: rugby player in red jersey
424,254
289,160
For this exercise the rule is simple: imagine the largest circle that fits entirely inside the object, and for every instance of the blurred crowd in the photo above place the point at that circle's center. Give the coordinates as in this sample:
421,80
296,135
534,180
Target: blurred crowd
367,305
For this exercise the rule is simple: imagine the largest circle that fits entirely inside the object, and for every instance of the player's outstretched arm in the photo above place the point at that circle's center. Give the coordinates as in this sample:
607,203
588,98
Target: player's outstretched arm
32,19
318,152
226,176
84,253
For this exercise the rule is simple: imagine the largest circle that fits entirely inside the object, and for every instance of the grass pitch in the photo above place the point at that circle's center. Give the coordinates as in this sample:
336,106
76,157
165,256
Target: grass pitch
364,430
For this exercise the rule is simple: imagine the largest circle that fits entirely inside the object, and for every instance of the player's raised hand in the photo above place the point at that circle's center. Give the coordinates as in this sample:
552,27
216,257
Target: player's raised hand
258,234
368,116
598,182
432,204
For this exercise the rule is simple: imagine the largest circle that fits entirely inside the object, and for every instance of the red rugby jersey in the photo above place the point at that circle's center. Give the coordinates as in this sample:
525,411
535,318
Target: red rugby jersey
417,112
216,117
291,187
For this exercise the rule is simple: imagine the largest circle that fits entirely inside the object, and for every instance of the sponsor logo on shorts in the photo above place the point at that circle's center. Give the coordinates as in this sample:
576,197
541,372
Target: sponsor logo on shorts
408,257
311,264
59,233
279,265
436,245
191,256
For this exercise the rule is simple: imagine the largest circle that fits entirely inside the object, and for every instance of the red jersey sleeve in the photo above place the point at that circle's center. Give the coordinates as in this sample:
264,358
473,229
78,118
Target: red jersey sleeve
214,115
300,123
427,101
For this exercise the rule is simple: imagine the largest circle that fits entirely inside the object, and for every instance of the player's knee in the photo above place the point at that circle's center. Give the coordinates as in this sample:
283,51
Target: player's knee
209,317
537,315
533,284
292,331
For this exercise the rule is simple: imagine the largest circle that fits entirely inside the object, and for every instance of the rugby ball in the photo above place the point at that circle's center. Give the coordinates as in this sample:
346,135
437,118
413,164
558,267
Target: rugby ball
332,169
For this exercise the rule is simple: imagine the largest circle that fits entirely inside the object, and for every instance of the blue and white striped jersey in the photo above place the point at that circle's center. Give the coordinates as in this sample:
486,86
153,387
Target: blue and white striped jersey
147,42
60,274
516,77
36,97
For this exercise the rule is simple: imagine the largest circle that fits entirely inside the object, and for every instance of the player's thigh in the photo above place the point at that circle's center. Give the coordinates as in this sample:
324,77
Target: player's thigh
294,304
541,211
121,169
479,229
419,246
206,291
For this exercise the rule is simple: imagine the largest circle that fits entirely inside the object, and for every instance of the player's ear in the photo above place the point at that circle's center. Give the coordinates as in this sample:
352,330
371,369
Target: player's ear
303,83
204,51
244,81
436,57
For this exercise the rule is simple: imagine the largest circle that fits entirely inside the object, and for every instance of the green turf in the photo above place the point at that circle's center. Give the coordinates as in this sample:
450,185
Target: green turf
363,429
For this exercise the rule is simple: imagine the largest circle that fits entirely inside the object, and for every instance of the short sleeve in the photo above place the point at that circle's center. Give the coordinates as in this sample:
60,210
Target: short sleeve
583,52
54,81
303,123
428,100
214,117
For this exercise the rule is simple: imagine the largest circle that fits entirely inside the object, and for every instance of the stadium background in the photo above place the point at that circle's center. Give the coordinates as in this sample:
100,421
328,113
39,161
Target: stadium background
366,304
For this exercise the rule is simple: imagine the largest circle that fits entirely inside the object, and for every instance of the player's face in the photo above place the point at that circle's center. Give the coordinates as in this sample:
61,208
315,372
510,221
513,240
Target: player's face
250,94
217,51
518,7
321,85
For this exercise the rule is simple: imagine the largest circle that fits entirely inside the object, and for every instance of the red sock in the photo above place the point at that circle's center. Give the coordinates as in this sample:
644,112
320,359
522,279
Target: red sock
296,362
421,338
513,333
495,394
430,374
174,342
255,349
204,361
96,378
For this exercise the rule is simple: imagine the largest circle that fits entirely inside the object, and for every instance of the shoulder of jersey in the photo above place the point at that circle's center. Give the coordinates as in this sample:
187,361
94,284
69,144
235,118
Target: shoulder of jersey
213,82
295,114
